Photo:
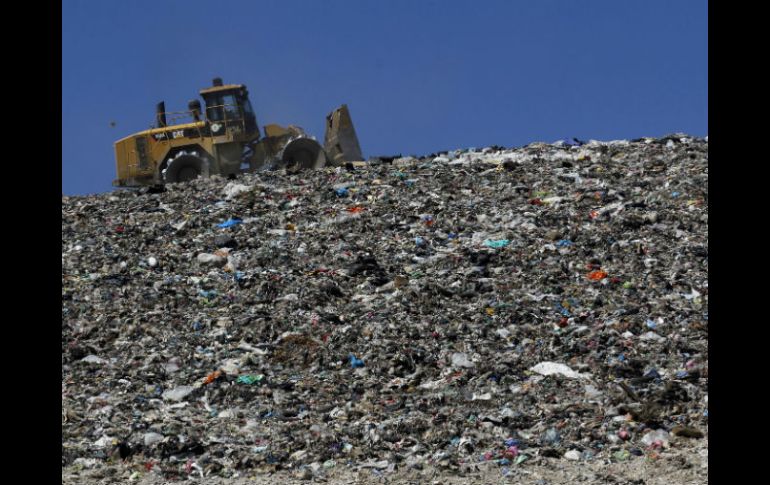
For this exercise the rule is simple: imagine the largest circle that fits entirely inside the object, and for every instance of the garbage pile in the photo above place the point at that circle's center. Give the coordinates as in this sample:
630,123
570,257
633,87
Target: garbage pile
480,307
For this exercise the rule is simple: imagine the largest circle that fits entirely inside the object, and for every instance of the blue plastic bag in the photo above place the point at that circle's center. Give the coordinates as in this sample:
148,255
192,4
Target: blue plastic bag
230,222
355,362
562,310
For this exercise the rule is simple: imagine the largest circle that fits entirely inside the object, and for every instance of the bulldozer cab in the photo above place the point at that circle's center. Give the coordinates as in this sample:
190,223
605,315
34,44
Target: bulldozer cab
229,111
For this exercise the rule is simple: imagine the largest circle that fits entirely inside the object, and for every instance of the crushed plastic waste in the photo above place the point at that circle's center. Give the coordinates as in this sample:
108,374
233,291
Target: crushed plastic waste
658,438
230,222
548,302
597,275
500,243
249,379
555,368
573,455
355,362
212,377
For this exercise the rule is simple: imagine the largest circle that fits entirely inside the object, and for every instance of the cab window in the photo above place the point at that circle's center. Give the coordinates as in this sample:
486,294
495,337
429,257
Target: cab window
214,109
231,107
223,107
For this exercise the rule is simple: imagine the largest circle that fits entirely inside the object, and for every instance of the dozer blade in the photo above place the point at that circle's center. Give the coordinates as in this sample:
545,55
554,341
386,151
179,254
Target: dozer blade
341,143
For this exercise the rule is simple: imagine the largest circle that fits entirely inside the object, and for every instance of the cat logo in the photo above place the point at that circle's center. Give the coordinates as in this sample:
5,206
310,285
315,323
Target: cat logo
216,127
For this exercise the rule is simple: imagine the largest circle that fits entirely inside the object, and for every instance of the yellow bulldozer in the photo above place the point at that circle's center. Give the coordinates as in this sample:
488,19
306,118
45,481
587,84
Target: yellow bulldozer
224,139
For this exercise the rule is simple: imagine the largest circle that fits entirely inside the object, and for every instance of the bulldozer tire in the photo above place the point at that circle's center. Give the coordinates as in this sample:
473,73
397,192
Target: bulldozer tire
185,168
303,154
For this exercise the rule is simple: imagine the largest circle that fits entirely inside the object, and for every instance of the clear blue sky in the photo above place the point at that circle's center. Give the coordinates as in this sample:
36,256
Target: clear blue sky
419,76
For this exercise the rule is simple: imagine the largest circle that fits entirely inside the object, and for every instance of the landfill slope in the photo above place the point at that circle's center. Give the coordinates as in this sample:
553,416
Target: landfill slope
532,315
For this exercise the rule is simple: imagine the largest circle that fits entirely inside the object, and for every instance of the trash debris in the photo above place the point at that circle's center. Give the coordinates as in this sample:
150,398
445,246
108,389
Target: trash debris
658,437
687,432
230,222
178,393
555,368
212,377
355,362
93,359
597,275
573,455
460,359
233,190
250,379
621,455
152,438
211,259
429,326
500,243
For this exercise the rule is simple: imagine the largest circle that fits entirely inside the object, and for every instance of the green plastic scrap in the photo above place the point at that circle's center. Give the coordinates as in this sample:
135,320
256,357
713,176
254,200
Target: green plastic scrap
250,378
621,455
500,243
521,459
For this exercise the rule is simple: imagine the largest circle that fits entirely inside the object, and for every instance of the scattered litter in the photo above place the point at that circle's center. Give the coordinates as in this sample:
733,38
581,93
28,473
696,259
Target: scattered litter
551,368
230,222
491,307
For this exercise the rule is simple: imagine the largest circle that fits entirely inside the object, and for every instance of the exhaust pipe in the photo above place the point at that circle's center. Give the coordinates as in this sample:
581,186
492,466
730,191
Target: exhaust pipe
195,107
160,114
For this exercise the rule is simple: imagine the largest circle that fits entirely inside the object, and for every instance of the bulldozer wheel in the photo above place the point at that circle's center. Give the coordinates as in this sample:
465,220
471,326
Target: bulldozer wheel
302,154
185,168
301,159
